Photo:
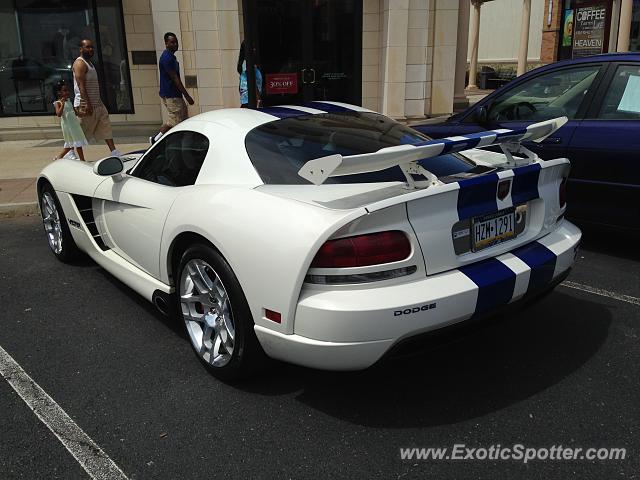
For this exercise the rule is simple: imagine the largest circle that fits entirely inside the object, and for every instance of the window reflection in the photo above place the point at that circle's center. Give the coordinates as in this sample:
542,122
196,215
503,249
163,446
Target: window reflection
634,40
39,43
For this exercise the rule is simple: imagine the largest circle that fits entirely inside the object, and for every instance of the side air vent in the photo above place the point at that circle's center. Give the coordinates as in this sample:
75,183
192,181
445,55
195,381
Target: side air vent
86,211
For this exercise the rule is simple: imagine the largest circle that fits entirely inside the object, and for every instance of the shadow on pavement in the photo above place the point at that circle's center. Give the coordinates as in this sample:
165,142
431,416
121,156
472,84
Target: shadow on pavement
169,322
618,243
485,371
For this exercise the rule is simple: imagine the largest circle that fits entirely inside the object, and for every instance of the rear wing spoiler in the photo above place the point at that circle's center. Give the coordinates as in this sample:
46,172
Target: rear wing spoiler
406,156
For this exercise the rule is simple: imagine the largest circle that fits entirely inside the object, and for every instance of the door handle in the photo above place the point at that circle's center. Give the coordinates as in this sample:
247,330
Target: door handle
304,75
552,141
314,75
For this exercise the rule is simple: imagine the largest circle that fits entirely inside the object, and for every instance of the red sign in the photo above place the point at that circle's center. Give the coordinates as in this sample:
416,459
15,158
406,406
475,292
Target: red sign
282,83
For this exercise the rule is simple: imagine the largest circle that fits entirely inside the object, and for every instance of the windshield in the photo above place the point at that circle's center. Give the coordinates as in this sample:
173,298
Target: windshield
280,148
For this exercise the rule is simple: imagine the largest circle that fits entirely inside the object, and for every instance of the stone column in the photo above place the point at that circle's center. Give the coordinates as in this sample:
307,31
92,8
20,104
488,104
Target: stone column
524,37
395,24
459,98
444,57
624,30
475,39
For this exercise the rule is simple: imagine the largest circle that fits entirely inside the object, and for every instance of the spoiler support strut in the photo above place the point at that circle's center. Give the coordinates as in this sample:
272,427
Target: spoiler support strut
407,156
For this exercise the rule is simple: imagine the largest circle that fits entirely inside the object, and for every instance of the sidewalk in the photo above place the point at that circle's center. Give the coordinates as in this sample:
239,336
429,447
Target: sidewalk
22,160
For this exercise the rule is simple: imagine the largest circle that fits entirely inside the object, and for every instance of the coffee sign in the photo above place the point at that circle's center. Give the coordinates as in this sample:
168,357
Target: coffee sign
589,30
282,83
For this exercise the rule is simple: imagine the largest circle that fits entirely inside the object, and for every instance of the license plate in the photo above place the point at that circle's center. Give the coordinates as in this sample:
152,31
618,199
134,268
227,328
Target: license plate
491,229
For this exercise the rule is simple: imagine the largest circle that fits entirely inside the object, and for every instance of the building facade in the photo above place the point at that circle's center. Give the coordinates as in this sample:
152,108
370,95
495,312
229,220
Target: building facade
395,56
405,58
578,28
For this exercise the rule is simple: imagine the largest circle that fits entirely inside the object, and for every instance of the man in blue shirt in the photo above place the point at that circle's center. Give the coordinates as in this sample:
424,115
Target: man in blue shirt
171,88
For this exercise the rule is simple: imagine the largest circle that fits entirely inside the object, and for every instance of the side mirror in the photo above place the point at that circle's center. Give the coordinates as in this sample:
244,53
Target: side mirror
481,115
108,167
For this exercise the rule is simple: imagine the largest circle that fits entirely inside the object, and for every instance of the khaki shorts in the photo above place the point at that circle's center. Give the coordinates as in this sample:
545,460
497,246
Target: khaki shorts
177,110
97,125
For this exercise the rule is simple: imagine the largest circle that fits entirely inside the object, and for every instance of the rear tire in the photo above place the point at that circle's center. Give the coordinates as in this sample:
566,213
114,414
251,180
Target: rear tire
56,227
216,315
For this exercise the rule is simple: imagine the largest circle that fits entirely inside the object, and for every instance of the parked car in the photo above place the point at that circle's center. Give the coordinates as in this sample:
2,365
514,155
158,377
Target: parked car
323,235
600,95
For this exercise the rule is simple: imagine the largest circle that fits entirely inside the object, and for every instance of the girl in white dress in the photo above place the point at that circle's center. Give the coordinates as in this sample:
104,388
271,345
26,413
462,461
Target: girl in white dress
71,129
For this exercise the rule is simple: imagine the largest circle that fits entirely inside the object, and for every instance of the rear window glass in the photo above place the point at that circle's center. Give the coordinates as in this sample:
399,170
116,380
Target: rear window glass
280,148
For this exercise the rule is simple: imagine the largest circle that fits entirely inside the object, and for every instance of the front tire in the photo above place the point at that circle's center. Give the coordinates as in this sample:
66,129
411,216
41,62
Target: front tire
55,226
216,315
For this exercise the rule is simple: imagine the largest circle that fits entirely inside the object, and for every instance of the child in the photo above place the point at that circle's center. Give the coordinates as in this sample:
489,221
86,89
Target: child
71,129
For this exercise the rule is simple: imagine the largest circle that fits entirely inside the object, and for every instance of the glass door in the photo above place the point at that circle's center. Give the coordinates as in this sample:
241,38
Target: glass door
309,50
280,54
336,51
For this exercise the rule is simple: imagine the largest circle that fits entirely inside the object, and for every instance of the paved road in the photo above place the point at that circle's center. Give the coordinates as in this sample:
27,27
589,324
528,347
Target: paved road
564,372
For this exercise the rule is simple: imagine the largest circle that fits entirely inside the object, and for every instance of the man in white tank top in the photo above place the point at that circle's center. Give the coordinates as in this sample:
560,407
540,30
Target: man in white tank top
94,117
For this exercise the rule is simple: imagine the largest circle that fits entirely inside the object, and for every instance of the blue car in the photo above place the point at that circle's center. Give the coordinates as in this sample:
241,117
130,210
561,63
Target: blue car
600,95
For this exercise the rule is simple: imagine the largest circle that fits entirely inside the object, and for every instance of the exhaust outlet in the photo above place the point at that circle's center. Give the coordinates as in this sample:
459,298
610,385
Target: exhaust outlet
161,302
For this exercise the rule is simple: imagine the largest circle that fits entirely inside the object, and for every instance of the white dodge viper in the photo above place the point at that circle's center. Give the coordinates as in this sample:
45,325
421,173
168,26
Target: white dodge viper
324,235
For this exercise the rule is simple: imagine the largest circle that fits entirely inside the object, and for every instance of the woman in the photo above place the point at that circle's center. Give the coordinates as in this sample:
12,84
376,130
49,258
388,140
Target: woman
244,87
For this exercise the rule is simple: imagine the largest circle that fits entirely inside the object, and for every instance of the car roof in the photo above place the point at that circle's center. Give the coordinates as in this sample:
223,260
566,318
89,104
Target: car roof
246,119
603,57
227,129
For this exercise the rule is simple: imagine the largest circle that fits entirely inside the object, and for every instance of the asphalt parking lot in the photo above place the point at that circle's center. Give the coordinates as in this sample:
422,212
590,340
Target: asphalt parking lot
565,371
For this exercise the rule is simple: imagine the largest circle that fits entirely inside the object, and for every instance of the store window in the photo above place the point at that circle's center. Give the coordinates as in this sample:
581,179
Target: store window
585,28
622,102
634,41
39,42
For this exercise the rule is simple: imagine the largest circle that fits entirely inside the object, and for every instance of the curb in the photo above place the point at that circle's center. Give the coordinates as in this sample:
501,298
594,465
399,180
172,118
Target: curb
12,210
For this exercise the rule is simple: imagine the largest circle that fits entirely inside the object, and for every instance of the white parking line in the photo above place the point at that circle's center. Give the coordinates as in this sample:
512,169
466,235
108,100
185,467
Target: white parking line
602,293
88,454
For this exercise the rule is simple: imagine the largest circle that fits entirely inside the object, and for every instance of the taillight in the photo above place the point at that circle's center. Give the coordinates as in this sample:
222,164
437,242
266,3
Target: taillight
562,193
362,250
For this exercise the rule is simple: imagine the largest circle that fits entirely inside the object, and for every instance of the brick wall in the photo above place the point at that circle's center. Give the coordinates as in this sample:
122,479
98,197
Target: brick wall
551,33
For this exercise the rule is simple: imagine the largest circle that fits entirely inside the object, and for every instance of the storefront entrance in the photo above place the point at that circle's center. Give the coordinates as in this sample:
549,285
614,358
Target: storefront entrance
309,50
585,28
39,43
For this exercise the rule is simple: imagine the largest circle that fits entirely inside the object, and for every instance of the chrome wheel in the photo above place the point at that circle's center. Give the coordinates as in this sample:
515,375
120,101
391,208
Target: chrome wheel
52,224
206,311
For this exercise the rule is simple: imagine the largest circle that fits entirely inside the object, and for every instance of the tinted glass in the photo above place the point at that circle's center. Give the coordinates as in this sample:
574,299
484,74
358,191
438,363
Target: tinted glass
280,148
550,95
39,43
280,31
175,161
113,57
622,100
336,47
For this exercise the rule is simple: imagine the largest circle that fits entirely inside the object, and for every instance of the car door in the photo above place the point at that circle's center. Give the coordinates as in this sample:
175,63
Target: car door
565,91
131,212
604,185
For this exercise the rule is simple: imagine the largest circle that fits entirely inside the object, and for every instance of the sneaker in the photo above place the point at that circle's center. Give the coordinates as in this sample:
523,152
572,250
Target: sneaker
116,153
71,155
152,140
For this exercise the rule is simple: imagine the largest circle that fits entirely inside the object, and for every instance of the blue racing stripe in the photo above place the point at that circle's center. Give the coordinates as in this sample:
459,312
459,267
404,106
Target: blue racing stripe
328,107
542,262
512,133
477,196
283,112
467,142
495,283
525,183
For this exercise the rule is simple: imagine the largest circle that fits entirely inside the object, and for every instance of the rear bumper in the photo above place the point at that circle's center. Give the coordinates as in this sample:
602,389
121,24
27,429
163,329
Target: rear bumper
352,329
